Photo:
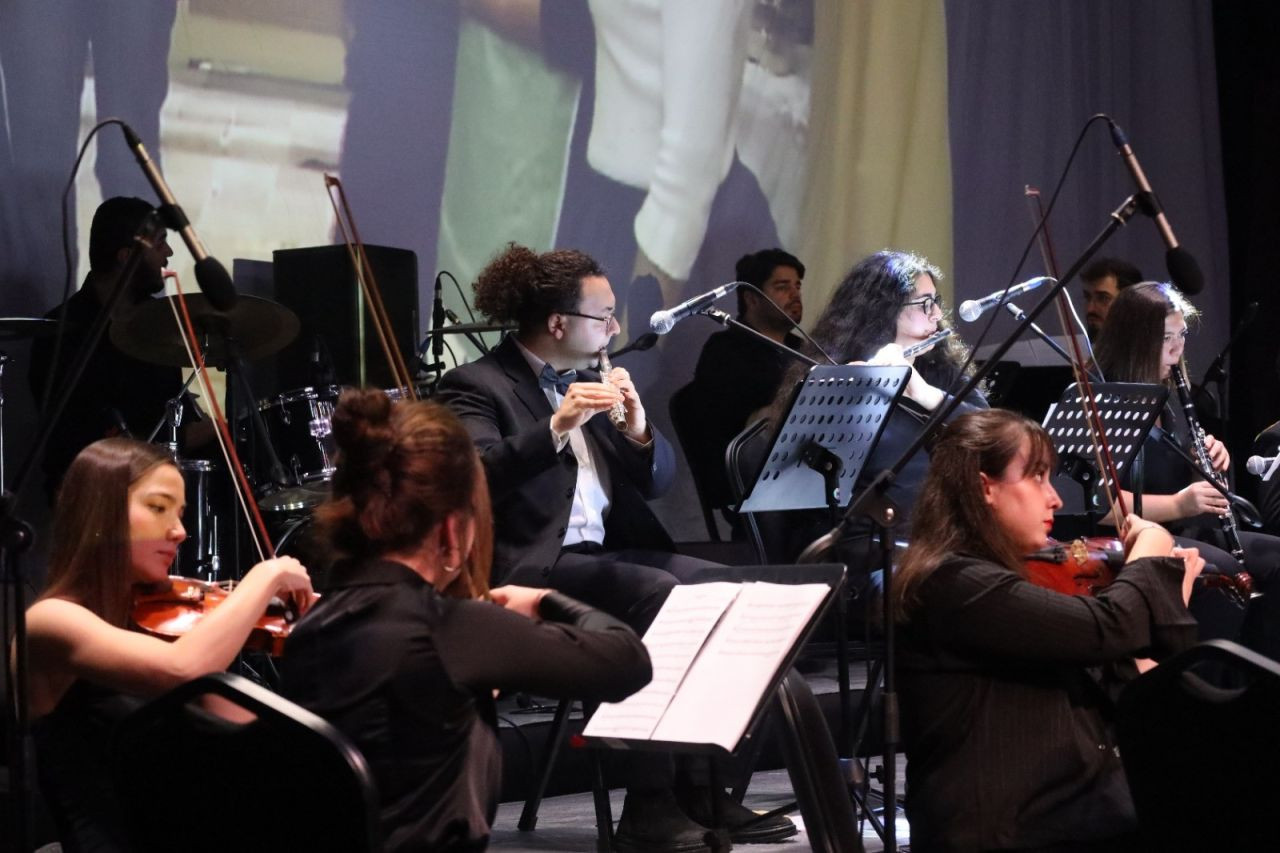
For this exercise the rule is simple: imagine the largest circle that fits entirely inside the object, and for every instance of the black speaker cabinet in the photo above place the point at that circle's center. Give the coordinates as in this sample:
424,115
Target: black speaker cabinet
337,329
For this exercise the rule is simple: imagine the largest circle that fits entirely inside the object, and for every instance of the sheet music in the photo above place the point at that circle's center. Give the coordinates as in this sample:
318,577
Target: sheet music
673,640
718,698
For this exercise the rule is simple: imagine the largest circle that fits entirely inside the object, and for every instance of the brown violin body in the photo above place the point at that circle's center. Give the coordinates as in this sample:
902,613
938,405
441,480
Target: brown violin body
1079,567
171,610
1085,566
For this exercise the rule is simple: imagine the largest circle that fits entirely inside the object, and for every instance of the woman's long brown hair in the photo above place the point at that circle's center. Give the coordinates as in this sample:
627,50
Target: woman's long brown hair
89,561
951,516
402,468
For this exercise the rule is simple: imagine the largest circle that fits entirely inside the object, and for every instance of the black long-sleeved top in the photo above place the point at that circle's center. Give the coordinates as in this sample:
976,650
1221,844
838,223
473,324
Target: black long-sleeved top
736,376
116,392
408,675
1006,691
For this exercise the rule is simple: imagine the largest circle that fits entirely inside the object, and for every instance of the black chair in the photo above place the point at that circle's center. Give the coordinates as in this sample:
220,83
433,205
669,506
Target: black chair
822,789
687,419
771,534
287,780
1201,749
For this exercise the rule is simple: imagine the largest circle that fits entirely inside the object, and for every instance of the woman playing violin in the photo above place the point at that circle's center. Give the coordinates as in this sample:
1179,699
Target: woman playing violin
402,654
1005,684
117,524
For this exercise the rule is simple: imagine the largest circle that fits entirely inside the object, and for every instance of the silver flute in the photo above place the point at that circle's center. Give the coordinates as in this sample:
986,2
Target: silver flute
618,413
1230,531
936,338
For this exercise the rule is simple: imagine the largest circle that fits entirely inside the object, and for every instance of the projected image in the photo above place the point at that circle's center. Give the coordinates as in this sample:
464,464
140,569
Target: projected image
642,133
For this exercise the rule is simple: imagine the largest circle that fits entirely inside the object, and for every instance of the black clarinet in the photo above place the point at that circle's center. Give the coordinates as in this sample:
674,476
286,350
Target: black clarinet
1229,529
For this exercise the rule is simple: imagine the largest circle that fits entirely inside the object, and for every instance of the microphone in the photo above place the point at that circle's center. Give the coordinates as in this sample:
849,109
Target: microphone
1182,266
662,322
437,322
1261,466
972,309
211,275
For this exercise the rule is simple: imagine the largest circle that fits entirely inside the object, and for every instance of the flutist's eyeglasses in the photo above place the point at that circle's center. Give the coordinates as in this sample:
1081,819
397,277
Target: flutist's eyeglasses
928,303
607,319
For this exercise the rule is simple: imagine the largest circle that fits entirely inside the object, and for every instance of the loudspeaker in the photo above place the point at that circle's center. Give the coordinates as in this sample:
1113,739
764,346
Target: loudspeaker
337,342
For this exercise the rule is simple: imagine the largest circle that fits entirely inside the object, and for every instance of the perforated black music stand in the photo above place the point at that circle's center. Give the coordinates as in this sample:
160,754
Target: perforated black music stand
1127,410
833,421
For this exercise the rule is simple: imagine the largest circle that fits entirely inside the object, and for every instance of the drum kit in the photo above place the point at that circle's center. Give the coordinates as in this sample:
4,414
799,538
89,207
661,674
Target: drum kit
285,441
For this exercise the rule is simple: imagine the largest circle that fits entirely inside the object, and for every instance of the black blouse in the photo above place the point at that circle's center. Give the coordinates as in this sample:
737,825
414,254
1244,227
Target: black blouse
1006,697
408,676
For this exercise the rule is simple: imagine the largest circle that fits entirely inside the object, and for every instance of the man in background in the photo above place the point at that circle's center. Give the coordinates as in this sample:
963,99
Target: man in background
738,373
1103,280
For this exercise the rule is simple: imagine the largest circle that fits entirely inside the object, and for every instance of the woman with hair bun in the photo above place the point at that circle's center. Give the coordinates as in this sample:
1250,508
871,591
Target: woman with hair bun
403,654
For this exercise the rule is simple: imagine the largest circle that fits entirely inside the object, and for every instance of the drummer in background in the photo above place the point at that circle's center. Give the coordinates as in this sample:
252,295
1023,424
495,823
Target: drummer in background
117,524
117,394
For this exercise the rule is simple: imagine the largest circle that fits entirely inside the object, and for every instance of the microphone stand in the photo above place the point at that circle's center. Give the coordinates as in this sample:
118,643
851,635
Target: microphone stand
1020,315
873,503
17,535
1216,375
725,320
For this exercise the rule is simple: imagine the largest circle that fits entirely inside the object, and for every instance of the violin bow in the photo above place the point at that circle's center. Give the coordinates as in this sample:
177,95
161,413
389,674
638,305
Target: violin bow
368,286
240,482
1101,449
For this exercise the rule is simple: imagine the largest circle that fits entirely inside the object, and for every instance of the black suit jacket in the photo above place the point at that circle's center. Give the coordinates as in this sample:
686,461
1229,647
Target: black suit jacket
509,417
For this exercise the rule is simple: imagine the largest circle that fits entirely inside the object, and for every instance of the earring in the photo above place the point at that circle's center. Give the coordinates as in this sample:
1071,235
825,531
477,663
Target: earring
448,570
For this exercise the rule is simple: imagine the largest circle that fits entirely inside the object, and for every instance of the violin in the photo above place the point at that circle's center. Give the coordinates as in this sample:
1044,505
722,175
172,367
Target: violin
172,609
1080,567
1085,566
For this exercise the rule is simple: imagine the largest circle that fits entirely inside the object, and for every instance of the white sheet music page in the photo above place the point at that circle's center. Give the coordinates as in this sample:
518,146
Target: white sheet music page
716,702
673,640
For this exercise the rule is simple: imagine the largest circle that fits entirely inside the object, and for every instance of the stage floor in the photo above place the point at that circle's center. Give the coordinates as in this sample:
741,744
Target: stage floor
567,823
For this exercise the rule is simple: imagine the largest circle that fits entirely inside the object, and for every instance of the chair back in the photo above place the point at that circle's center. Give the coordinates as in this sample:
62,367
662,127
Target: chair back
287,780
743,460
688,420
814,767
1201,749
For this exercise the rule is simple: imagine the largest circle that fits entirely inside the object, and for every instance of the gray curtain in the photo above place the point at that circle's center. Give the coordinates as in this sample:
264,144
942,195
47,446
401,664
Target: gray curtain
1025,76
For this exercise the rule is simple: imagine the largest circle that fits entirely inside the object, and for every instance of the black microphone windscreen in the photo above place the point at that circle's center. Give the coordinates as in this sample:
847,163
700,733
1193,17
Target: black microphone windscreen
215,282
1184,271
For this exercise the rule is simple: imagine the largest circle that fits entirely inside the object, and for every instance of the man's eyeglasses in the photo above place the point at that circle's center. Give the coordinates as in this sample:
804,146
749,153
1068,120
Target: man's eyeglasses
928,303
607,319
1170,336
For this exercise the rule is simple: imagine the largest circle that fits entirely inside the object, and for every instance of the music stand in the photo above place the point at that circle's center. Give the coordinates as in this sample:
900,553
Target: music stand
1128,410
809,772
833,421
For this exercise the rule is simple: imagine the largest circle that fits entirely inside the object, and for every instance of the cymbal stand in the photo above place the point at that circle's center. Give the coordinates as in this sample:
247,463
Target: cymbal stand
173,413
4,359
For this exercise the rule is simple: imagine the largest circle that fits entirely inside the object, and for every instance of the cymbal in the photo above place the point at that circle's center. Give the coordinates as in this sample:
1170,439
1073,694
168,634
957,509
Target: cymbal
18,328
257,327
